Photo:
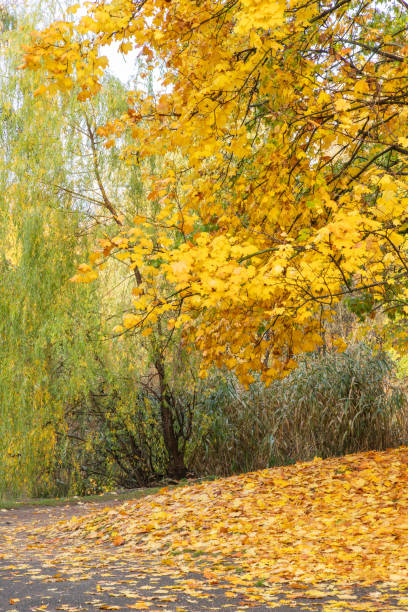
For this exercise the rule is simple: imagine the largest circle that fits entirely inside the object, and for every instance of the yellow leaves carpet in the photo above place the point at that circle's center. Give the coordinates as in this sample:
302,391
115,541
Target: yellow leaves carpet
320,528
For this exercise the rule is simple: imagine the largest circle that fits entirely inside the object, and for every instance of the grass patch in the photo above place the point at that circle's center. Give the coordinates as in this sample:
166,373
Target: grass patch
121,495
75,499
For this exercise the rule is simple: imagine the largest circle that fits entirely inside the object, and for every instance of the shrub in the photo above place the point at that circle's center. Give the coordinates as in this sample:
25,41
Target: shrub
339,403
332,404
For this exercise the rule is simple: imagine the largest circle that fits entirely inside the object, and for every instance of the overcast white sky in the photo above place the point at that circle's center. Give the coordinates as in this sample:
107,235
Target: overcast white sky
122,66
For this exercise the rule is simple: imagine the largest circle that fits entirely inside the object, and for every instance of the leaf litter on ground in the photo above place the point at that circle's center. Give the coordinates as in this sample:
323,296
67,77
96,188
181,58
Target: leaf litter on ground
327,536
312,531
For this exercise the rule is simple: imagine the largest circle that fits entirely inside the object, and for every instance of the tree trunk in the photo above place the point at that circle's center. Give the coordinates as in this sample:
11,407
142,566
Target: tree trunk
176,468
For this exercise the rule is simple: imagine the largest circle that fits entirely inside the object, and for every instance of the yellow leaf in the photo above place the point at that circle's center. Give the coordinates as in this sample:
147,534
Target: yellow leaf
315,594
342,104
130,320
84,268
73,9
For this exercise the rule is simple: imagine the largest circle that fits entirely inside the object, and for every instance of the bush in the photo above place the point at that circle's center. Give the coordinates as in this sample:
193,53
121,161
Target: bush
233,429
332,404
339,403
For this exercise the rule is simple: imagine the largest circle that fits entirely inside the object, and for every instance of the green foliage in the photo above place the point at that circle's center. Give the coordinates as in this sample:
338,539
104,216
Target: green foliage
117,433
333,404
360,305
47,325
35,319
232,431
339,403
8,20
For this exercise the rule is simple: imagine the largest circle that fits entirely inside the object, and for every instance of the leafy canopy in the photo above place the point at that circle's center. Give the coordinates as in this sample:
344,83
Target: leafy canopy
282,128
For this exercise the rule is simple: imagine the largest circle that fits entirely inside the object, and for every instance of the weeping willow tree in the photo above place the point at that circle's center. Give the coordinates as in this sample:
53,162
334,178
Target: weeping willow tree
52,348
80,408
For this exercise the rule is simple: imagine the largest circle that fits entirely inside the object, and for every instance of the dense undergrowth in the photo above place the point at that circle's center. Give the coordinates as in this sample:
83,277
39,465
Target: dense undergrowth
332,404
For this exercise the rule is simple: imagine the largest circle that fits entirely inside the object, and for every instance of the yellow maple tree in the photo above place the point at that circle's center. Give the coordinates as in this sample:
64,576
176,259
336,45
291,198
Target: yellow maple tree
282,133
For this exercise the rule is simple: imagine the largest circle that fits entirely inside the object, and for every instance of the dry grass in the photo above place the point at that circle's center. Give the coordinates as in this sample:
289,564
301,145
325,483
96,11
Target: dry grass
331,405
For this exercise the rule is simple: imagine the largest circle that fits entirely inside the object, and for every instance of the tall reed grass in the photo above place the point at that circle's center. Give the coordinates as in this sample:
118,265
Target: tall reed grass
332,404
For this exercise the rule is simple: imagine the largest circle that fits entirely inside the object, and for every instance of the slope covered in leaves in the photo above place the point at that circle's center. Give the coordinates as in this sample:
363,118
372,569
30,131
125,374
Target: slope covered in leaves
341,521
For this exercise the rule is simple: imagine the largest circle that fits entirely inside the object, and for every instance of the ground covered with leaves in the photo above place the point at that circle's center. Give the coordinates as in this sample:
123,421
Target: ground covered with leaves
325,535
